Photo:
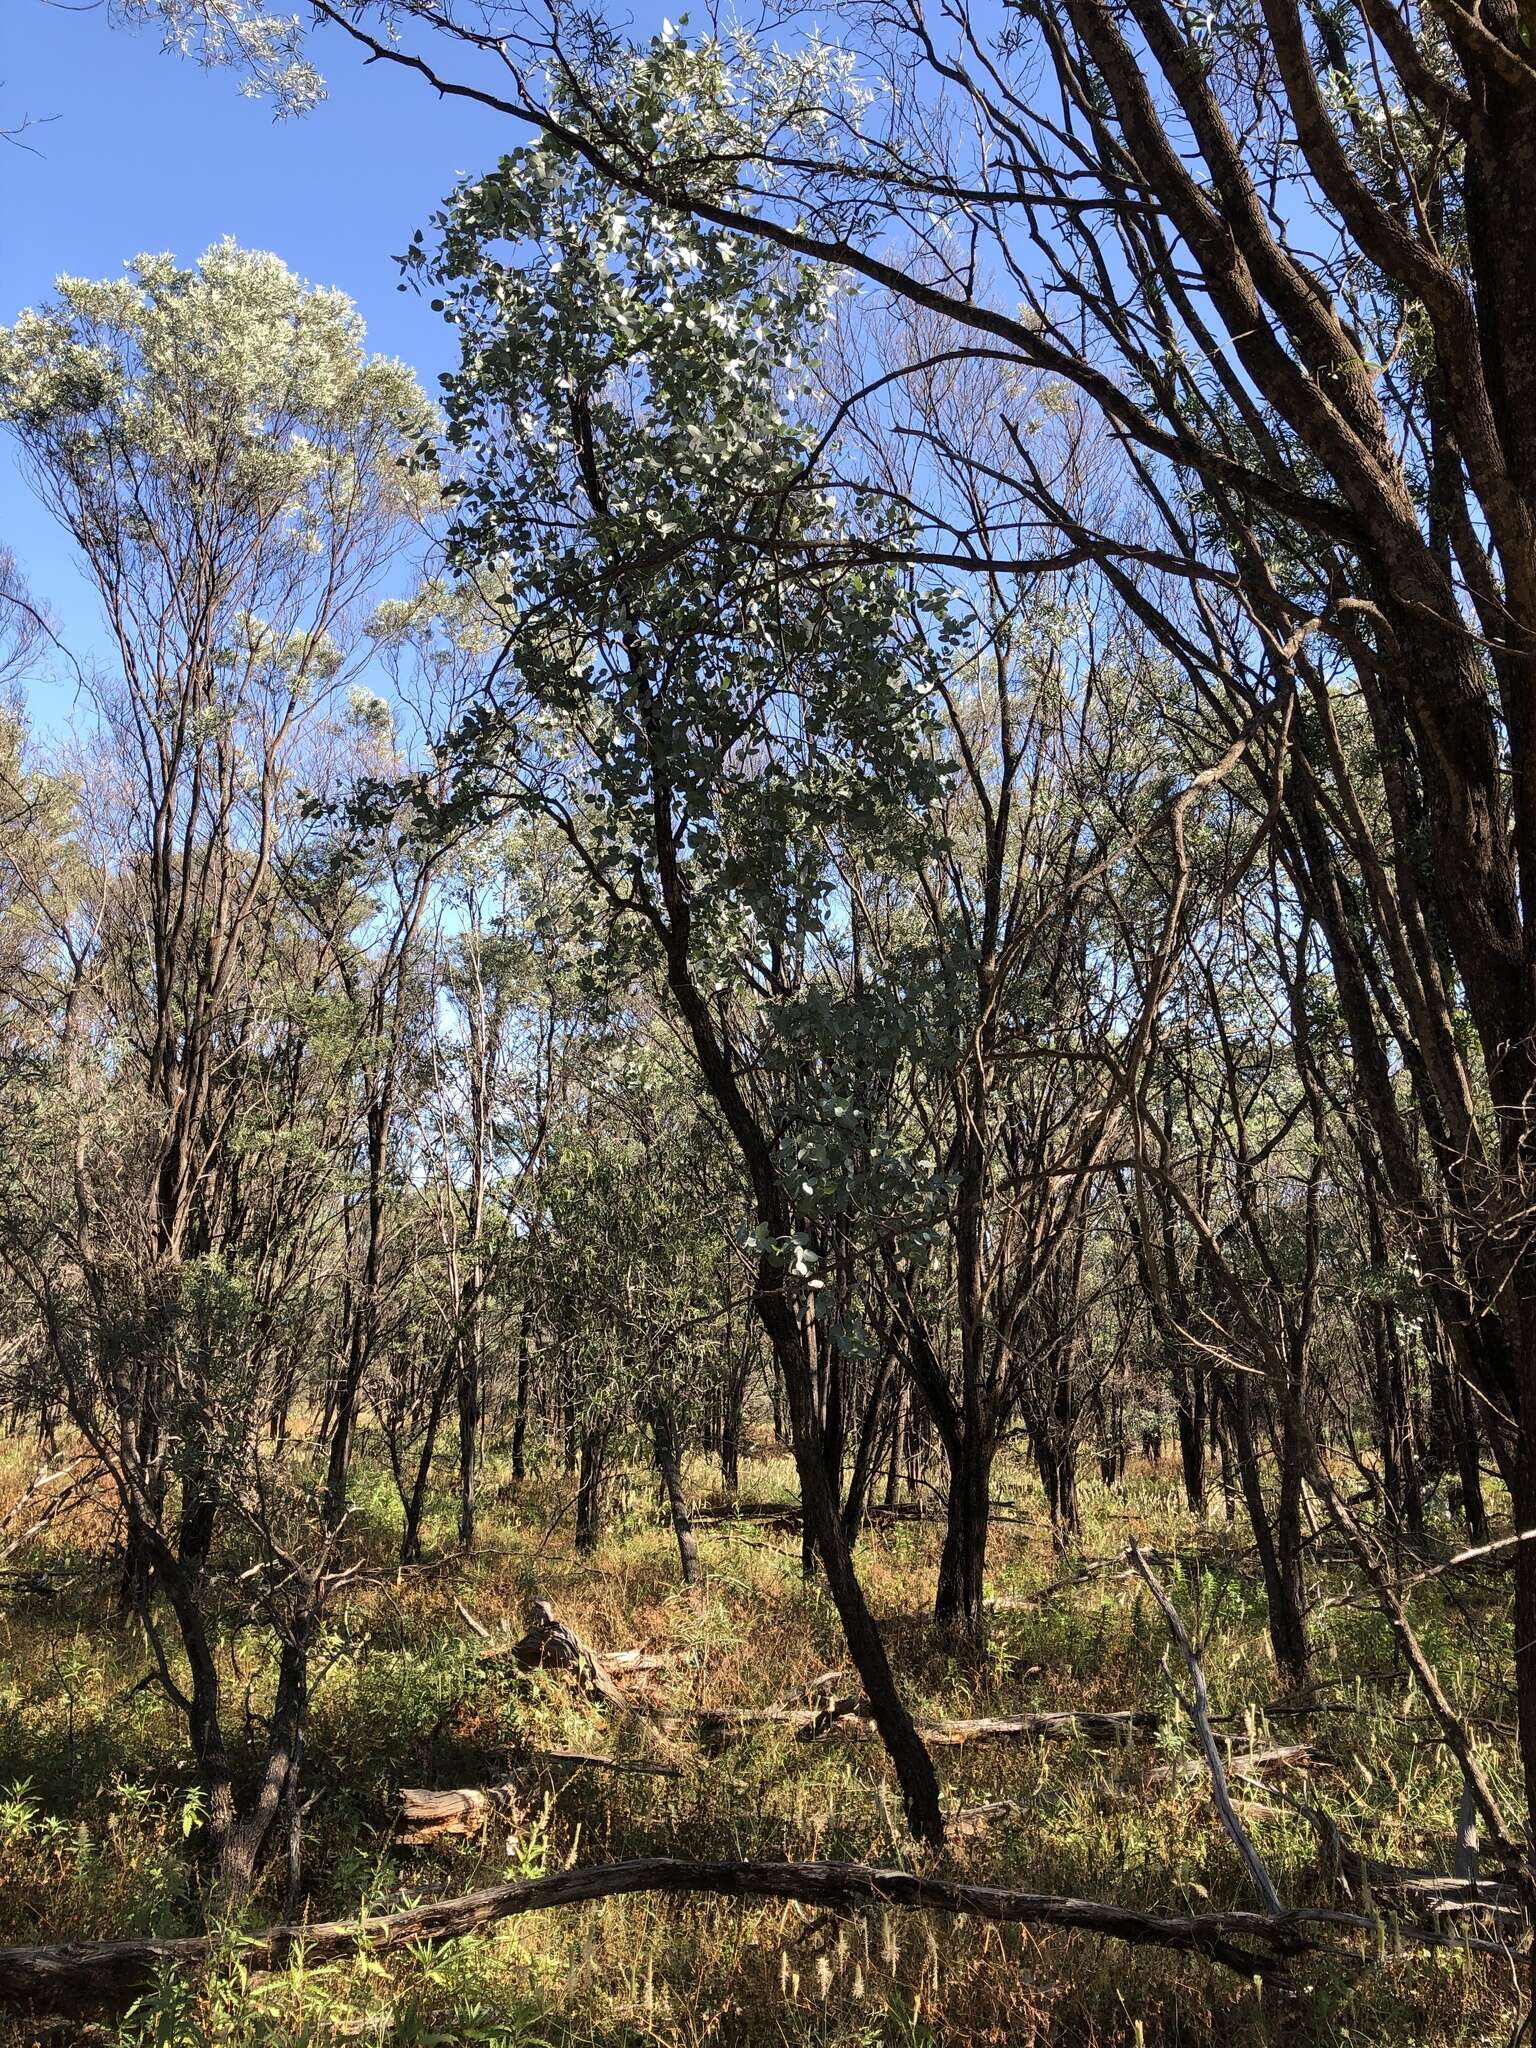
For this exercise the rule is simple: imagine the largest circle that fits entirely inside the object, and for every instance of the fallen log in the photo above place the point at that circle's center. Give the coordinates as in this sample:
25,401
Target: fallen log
718,1725
427,1816
1425,1893
549,1644
1245,1763
102,1975
644,1660
786,1514
769,1514
552,1645
851,1717
1096,1568
581,1759
1120,1726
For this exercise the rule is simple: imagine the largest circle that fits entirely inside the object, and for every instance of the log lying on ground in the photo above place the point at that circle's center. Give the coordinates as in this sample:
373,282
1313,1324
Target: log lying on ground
550,1644
1108,1568
771,1514
101,1975
427,1816
1119,1726
850,1717
1131,1797
786,1514
1425,1894
1245,1763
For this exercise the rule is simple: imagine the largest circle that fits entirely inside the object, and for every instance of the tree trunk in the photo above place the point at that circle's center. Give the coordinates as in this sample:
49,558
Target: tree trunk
568,1415
416,1505
1394,1408
1189,1403
911,1761
898,1443
589,1490
468,1390
520,1414
669,1465
959,1603
730,1439
1454,1432
1278,1539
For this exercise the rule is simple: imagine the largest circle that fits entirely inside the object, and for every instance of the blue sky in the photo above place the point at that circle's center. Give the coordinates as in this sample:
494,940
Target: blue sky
138,150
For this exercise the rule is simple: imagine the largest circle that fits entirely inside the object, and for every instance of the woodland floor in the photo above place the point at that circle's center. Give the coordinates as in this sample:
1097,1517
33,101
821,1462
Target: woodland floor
97,1817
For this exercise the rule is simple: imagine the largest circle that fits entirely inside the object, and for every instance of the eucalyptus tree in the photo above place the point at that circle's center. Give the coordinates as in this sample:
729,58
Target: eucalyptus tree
235,472
709,678
482,989
1029,982
369,888
633,1205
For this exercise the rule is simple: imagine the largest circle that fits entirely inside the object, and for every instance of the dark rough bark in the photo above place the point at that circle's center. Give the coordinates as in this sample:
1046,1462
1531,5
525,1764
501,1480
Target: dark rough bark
468,1390
959,1604
1454,1433
521,1397
235,1840
1189,1405
898,1444
1277,1534
913,1765
416,1504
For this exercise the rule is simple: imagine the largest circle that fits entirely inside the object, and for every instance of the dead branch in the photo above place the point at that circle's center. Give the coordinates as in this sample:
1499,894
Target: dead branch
1458,1736
1245,1763
550,1644
41,1484
850,1717
428,1816
1199,1707
1423,1894
97,1975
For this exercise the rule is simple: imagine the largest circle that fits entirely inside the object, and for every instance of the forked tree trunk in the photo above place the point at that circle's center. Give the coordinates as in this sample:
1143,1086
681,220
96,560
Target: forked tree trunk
416,1505
780,1319
1277,1536
1189,1404
911,1761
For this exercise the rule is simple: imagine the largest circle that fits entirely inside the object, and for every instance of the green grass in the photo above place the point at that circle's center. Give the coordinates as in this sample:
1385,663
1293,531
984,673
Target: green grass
97,1821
